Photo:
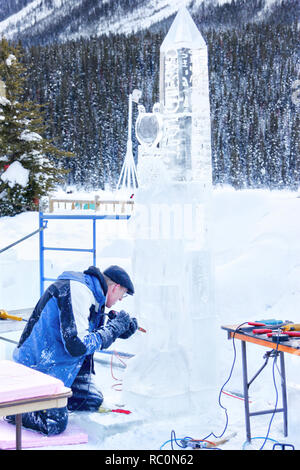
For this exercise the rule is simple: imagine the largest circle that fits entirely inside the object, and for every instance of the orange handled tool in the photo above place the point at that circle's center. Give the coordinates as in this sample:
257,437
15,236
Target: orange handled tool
5,316
291,327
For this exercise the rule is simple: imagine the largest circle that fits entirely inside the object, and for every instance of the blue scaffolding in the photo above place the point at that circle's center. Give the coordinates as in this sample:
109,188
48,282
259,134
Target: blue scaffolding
43,223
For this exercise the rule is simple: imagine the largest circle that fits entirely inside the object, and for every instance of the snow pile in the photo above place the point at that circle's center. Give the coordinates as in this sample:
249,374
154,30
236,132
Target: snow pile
4,101
10,59
30,136
16,174
256,244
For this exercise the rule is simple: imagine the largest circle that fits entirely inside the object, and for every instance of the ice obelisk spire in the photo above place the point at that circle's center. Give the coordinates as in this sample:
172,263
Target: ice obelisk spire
184,99
175,369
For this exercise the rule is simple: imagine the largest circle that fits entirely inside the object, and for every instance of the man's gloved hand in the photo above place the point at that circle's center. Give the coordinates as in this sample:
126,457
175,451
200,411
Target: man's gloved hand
114,328
133,325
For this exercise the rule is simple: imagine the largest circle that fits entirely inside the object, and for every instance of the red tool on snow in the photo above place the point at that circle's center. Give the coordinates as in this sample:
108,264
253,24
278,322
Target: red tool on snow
117,410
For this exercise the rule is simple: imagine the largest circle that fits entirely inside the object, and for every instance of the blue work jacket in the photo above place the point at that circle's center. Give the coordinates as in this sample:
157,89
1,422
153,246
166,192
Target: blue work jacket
62,329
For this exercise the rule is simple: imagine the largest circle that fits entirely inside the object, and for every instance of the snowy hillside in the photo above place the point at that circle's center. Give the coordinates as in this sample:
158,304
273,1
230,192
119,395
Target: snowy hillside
40,12
70,19
257,258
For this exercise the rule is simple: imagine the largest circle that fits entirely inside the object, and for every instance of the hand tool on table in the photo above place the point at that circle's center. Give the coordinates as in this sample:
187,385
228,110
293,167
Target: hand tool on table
294,334
291,327
277,330
261,331
253,326
272,324
268,326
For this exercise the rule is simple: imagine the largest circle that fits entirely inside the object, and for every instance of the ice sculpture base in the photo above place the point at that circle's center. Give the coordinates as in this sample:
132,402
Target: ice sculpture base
201,405
157,383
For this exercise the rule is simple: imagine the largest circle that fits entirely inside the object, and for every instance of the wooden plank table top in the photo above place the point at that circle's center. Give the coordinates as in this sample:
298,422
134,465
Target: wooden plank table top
292,346
26,405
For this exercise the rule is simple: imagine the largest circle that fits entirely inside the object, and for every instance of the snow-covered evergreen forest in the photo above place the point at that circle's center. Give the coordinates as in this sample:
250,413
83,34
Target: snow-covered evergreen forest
253,67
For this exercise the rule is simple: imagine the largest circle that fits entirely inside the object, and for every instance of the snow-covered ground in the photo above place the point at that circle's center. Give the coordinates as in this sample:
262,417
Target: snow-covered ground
256,244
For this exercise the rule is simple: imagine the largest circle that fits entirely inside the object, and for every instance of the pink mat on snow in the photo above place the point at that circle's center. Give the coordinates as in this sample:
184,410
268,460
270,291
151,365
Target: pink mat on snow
18,382
72,435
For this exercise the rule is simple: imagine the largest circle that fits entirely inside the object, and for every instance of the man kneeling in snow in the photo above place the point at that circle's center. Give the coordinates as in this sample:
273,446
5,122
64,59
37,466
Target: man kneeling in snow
65,329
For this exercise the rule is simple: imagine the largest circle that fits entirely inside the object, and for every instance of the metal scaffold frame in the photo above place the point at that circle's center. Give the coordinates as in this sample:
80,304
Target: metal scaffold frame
43,223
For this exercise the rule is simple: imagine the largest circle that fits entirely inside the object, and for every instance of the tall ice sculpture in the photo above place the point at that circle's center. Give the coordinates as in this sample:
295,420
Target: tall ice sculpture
175,369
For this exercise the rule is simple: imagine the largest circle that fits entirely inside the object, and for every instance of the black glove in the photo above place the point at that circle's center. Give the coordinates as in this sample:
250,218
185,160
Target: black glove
114,328
133,325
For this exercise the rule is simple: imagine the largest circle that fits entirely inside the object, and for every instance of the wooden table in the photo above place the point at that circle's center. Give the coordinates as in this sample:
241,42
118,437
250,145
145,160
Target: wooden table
40,392
292,346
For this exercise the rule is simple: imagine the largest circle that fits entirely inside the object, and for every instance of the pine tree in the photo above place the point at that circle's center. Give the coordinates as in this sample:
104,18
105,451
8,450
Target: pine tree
29,167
